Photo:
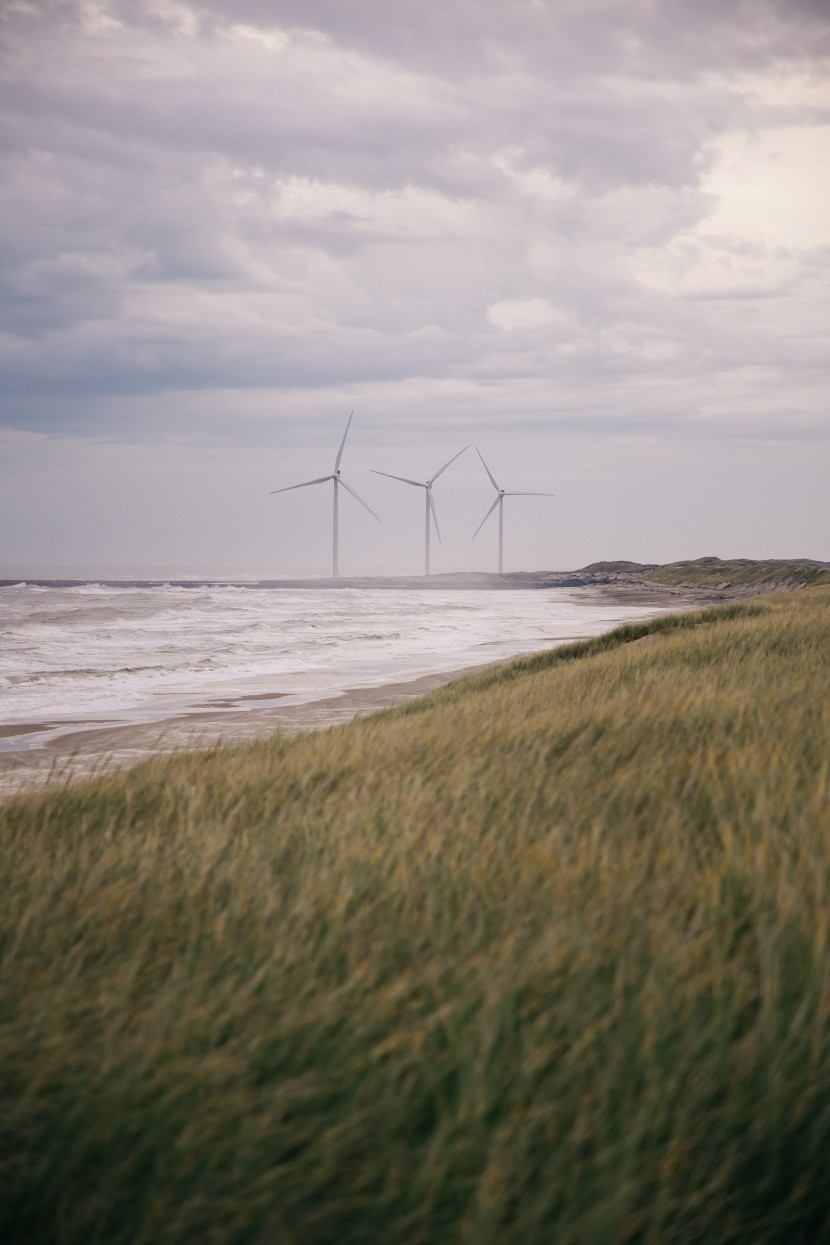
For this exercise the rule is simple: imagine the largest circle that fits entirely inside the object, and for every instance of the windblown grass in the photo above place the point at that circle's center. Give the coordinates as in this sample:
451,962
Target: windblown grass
542,957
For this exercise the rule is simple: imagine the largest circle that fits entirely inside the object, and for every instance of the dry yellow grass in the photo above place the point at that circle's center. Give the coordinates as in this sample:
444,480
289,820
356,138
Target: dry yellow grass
540,957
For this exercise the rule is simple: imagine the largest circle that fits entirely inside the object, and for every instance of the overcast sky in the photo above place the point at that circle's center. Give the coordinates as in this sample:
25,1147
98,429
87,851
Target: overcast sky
591,237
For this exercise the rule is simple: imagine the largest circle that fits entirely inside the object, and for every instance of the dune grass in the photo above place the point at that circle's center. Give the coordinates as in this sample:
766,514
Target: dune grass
542,957
718,574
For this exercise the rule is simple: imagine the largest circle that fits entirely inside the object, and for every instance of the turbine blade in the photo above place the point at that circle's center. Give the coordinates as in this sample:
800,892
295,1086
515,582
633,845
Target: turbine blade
434,515
349,489
342,443
530,494
305,484
403,479
444,468
486,517
487,469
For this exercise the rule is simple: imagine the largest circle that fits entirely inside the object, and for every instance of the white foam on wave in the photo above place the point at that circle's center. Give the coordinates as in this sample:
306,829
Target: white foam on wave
93,650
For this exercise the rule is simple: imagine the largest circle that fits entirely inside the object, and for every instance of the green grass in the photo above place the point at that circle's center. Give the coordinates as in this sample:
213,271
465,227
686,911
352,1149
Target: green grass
740,573
540,958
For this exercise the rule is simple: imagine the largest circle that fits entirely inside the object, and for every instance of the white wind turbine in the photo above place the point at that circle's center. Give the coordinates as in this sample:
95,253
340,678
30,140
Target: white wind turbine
500,503
429,504
338,483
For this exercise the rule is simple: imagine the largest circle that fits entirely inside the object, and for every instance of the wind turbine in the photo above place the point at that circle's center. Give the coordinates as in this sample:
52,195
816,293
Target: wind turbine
429,504
500,503
338,483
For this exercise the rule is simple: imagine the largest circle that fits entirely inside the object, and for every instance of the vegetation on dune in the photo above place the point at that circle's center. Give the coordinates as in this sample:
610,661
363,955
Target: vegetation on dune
620,565
720,575
541,957
739,573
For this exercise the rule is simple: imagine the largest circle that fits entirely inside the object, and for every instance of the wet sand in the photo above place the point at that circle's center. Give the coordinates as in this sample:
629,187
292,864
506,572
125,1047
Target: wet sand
83,753
91,748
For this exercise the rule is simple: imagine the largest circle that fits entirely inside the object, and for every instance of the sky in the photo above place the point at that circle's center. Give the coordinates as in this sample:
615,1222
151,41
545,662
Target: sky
589,237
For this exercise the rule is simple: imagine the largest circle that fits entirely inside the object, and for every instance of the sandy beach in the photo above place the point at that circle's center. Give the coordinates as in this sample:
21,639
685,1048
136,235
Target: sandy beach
88,745
86,752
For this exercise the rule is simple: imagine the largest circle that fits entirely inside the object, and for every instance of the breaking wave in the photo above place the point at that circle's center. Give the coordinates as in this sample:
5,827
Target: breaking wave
96,649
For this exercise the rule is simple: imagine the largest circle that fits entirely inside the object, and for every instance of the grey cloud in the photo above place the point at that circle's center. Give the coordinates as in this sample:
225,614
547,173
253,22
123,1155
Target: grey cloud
145,253
672,39
577,120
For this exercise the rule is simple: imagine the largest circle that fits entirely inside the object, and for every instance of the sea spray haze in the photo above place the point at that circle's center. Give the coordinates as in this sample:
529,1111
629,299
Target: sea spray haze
542,957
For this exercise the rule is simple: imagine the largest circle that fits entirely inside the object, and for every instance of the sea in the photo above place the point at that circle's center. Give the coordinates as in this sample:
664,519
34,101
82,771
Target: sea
108,653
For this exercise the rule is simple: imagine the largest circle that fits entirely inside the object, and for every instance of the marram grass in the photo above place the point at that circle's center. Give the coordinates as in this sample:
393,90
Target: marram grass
541,958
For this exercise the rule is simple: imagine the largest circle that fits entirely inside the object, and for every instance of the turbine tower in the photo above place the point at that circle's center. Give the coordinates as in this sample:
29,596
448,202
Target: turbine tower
338,483
500,503
429,504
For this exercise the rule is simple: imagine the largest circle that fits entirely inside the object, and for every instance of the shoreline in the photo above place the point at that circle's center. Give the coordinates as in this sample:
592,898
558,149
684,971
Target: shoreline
94,747
103,749
613,581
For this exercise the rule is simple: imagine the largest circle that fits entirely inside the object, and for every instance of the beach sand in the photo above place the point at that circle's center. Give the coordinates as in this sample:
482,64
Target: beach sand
83,753
91,747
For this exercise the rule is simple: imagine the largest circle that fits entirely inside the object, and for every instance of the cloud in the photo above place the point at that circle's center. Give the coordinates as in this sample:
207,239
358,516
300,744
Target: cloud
556,200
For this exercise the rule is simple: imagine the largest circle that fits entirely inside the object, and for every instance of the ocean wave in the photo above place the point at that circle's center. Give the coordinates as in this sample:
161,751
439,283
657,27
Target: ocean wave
97,648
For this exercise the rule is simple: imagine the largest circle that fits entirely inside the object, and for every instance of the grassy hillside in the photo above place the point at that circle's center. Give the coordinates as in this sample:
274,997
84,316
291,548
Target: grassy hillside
739,573
620,565
542,957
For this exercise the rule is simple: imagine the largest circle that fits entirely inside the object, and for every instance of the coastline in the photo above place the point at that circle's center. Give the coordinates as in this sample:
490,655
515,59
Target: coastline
103,749
95,747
